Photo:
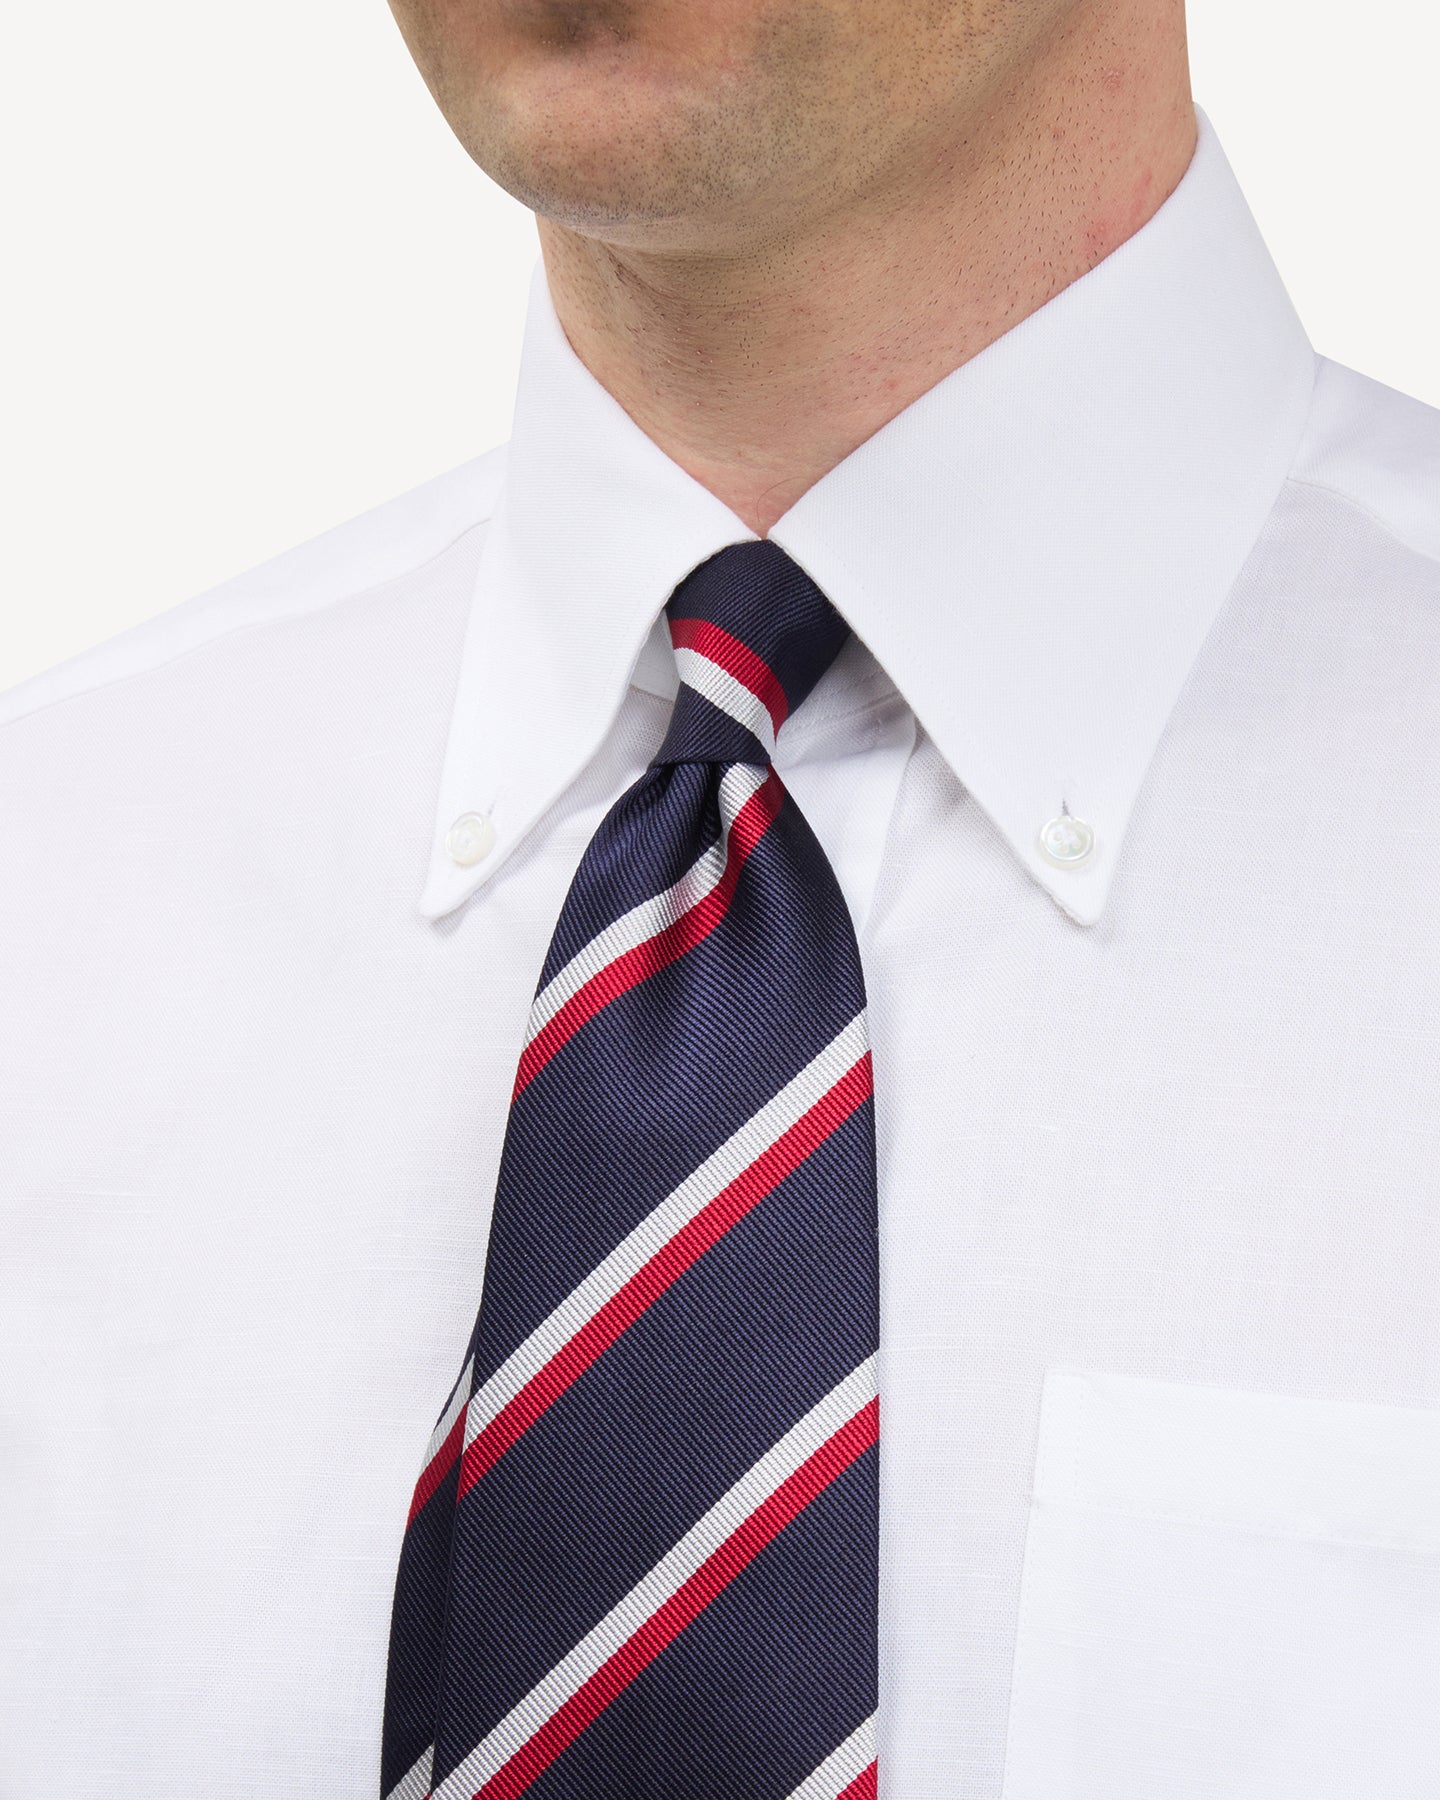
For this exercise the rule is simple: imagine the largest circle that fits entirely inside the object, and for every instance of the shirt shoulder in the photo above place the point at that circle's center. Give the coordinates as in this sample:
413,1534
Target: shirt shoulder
377,548
1380,450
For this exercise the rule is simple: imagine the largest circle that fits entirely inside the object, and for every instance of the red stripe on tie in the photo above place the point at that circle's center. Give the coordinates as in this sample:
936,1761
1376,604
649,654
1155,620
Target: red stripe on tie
667,1265
632,967
438,1467
863,1787
688,1601
736,658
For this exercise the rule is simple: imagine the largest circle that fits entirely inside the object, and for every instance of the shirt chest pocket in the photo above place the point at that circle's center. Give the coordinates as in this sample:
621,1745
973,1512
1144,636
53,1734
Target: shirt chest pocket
1228,1596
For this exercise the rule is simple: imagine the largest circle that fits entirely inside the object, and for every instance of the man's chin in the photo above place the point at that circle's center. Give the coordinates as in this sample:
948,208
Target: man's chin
612,157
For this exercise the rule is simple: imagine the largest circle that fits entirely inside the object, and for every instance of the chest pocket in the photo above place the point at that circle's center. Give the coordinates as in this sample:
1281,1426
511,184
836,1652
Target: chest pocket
1228,1596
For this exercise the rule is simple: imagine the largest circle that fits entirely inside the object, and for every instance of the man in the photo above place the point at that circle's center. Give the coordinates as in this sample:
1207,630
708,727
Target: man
910,376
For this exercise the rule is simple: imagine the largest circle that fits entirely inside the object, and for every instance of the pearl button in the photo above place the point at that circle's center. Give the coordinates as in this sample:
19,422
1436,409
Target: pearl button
470,839
1066,842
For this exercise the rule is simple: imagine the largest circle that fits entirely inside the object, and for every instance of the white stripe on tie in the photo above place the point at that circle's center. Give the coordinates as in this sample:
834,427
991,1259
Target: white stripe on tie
739,783
670,1574
415,1783
654,1231
454,1406
722,689
841,1766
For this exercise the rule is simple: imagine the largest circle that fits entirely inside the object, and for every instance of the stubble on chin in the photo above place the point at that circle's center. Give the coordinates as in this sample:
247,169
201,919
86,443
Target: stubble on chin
605,114
557,24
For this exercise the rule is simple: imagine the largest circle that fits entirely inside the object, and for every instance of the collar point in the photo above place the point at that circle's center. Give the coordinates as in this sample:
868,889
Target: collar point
446,889
1082,905
1081,892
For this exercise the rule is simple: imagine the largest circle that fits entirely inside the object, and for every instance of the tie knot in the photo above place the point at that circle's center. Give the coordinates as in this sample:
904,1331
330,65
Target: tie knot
752,636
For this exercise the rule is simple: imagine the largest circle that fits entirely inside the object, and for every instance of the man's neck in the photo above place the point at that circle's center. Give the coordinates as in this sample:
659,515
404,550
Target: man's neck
759,372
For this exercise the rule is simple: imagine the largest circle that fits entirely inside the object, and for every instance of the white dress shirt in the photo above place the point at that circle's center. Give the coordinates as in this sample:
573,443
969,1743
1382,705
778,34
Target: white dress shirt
1144,584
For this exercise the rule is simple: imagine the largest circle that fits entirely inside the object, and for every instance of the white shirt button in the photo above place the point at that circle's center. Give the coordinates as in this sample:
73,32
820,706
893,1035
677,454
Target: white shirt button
1066,842
470,839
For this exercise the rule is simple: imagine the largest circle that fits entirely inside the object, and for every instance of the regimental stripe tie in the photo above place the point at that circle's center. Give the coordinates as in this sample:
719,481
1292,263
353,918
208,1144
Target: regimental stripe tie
659,1250
731,677
734,1531
734,1178
641,1559
658,930
849,1772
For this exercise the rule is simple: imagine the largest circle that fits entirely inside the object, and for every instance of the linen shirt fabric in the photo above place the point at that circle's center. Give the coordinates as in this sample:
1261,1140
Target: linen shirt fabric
1160,1218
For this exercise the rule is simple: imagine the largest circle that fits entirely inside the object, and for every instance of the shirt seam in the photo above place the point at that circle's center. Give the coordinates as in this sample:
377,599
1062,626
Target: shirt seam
1119,1508
1366,511
239,629
866,708
832,722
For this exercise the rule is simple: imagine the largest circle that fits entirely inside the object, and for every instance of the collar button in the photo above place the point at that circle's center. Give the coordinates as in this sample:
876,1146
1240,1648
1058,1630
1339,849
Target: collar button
1066,842
470,839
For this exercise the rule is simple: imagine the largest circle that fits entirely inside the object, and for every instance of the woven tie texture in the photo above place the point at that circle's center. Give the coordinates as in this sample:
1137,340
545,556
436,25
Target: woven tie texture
642,1556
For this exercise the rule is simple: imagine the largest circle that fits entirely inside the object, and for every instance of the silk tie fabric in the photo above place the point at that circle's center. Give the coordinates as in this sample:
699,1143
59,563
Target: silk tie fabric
642,1556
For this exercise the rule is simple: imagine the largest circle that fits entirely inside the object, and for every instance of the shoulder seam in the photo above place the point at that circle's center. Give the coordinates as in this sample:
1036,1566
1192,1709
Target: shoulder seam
1366,511
237,629
44,702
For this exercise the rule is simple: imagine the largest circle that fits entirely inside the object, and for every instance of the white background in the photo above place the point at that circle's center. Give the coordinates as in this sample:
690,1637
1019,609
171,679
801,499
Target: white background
253,286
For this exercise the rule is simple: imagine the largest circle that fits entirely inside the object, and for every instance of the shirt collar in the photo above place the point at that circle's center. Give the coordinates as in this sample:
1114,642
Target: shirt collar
1034,550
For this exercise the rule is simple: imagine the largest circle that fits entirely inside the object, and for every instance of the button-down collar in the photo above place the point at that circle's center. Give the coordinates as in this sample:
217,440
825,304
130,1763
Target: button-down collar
1034,550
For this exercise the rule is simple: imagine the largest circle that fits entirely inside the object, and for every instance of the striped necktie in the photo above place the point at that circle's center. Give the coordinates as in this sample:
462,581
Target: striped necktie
642,1557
